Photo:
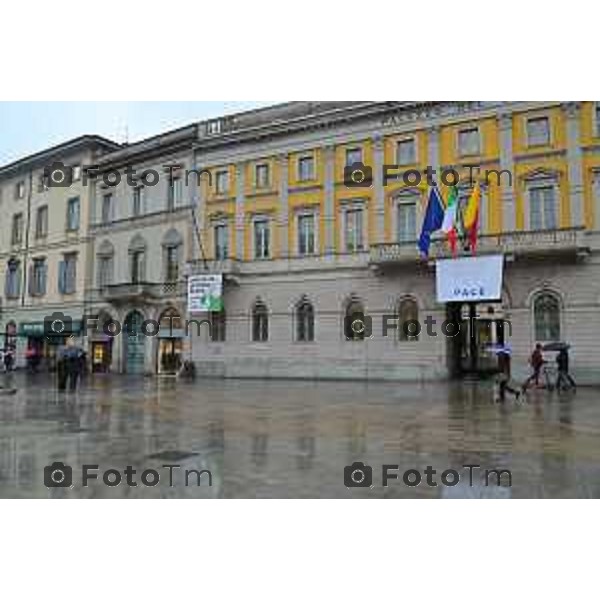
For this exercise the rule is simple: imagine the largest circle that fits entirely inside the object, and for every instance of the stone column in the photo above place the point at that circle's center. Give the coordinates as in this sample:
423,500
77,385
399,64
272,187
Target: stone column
507,188
378,188
575,163
329,208
240,183
283,216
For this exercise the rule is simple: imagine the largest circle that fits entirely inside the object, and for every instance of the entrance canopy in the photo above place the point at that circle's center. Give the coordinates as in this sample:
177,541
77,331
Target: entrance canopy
470,279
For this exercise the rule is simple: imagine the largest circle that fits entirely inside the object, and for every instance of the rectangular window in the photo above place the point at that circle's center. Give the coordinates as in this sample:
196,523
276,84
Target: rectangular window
13,279
20,190
261,238
538,131
222,182
42,183
597,114
221,233
137,201
262,176
468,142
353,155
76,171
41,222
107,202
353,229
17,229
172,263
407,222
67,274
105,264
306,234
306,168
175,193
406,152
542,208
38,277
73,214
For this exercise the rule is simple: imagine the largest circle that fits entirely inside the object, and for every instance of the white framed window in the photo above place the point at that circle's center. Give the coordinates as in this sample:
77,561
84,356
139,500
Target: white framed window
213,126
262,237
17,229
354,155
73,214
175,193
353,220
76,171
20,190
41,222
538,131
306,168
306,233
221,241
543,208
105,270
38,277
138,199
406,152
222,182
12,285
468,142
67,274
171,258
546,317
406,215
107,206
262,176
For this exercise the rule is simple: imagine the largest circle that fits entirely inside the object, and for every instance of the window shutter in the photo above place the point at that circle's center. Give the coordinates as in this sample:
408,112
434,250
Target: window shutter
62,270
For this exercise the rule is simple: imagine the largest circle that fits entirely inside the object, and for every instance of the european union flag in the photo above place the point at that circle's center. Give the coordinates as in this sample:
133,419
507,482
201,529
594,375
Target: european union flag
434,217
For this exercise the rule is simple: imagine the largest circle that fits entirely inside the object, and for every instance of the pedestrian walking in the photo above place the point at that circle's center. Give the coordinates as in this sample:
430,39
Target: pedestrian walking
505,383
564,379
61,370
73,363
537,362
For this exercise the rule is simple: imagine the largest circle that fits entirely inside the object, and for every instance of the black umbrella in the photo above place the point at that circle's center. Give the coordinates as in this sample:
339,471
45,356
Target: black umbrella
556,346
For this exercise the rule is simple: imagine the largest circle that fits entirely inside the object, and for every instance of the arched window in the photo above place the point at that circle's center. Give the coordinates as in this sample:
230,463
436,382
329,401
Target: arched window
105,264
356,324
172,243
305,321
260,322
137,259
546,317
408,321
170,320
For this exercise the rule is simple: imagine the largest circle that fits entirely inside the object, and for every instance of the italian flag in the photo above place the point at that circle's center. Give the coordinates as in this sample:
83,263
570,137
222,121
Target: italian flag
449,223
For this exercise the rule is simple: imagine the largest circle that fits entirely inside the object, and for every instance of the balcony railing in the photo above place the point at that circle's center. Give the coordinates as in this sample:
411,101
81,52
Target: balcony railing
225,266
125,292
570,241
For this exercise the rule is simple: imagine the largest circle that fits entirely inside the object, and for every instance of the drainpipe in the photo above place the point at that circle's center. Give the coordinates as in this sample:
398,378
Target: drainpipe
26,250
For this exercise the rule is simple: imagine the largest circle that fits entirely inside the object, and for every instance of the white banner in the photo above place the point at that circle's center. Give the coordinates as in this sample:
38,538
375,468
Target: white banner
205,293
469,279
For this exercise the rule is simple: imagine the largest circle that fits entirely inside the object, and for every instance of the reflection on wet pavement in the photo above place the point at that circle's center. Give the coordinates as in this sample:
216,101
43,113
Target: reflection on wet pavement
281,439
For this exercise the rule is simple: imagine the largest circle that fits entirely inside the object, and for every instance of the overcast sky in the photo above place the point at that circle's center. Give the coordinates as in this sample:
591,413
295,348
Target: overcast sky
27,127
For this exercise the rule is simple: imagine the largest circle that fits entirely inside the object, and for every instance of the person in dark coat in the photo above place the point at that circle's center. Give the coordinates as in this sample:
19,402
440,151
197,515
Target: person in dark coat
564,378
504,377
537,362
61,370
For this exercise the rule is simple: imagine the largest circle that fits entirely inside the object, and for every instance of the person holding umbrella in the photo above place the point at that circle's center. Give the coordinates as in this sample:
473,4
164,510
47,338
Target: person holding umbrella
504,375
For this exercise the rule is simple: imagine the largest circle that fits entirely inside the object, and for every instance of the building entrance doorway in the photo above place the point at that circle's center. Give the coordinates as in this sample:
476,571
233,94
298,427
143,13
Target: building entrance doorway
481,327
135,344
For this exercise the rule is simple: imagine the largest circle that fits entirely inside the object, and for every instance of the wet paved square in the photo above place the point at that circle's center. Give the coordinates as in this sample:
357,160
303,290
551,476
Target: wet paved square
292,439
